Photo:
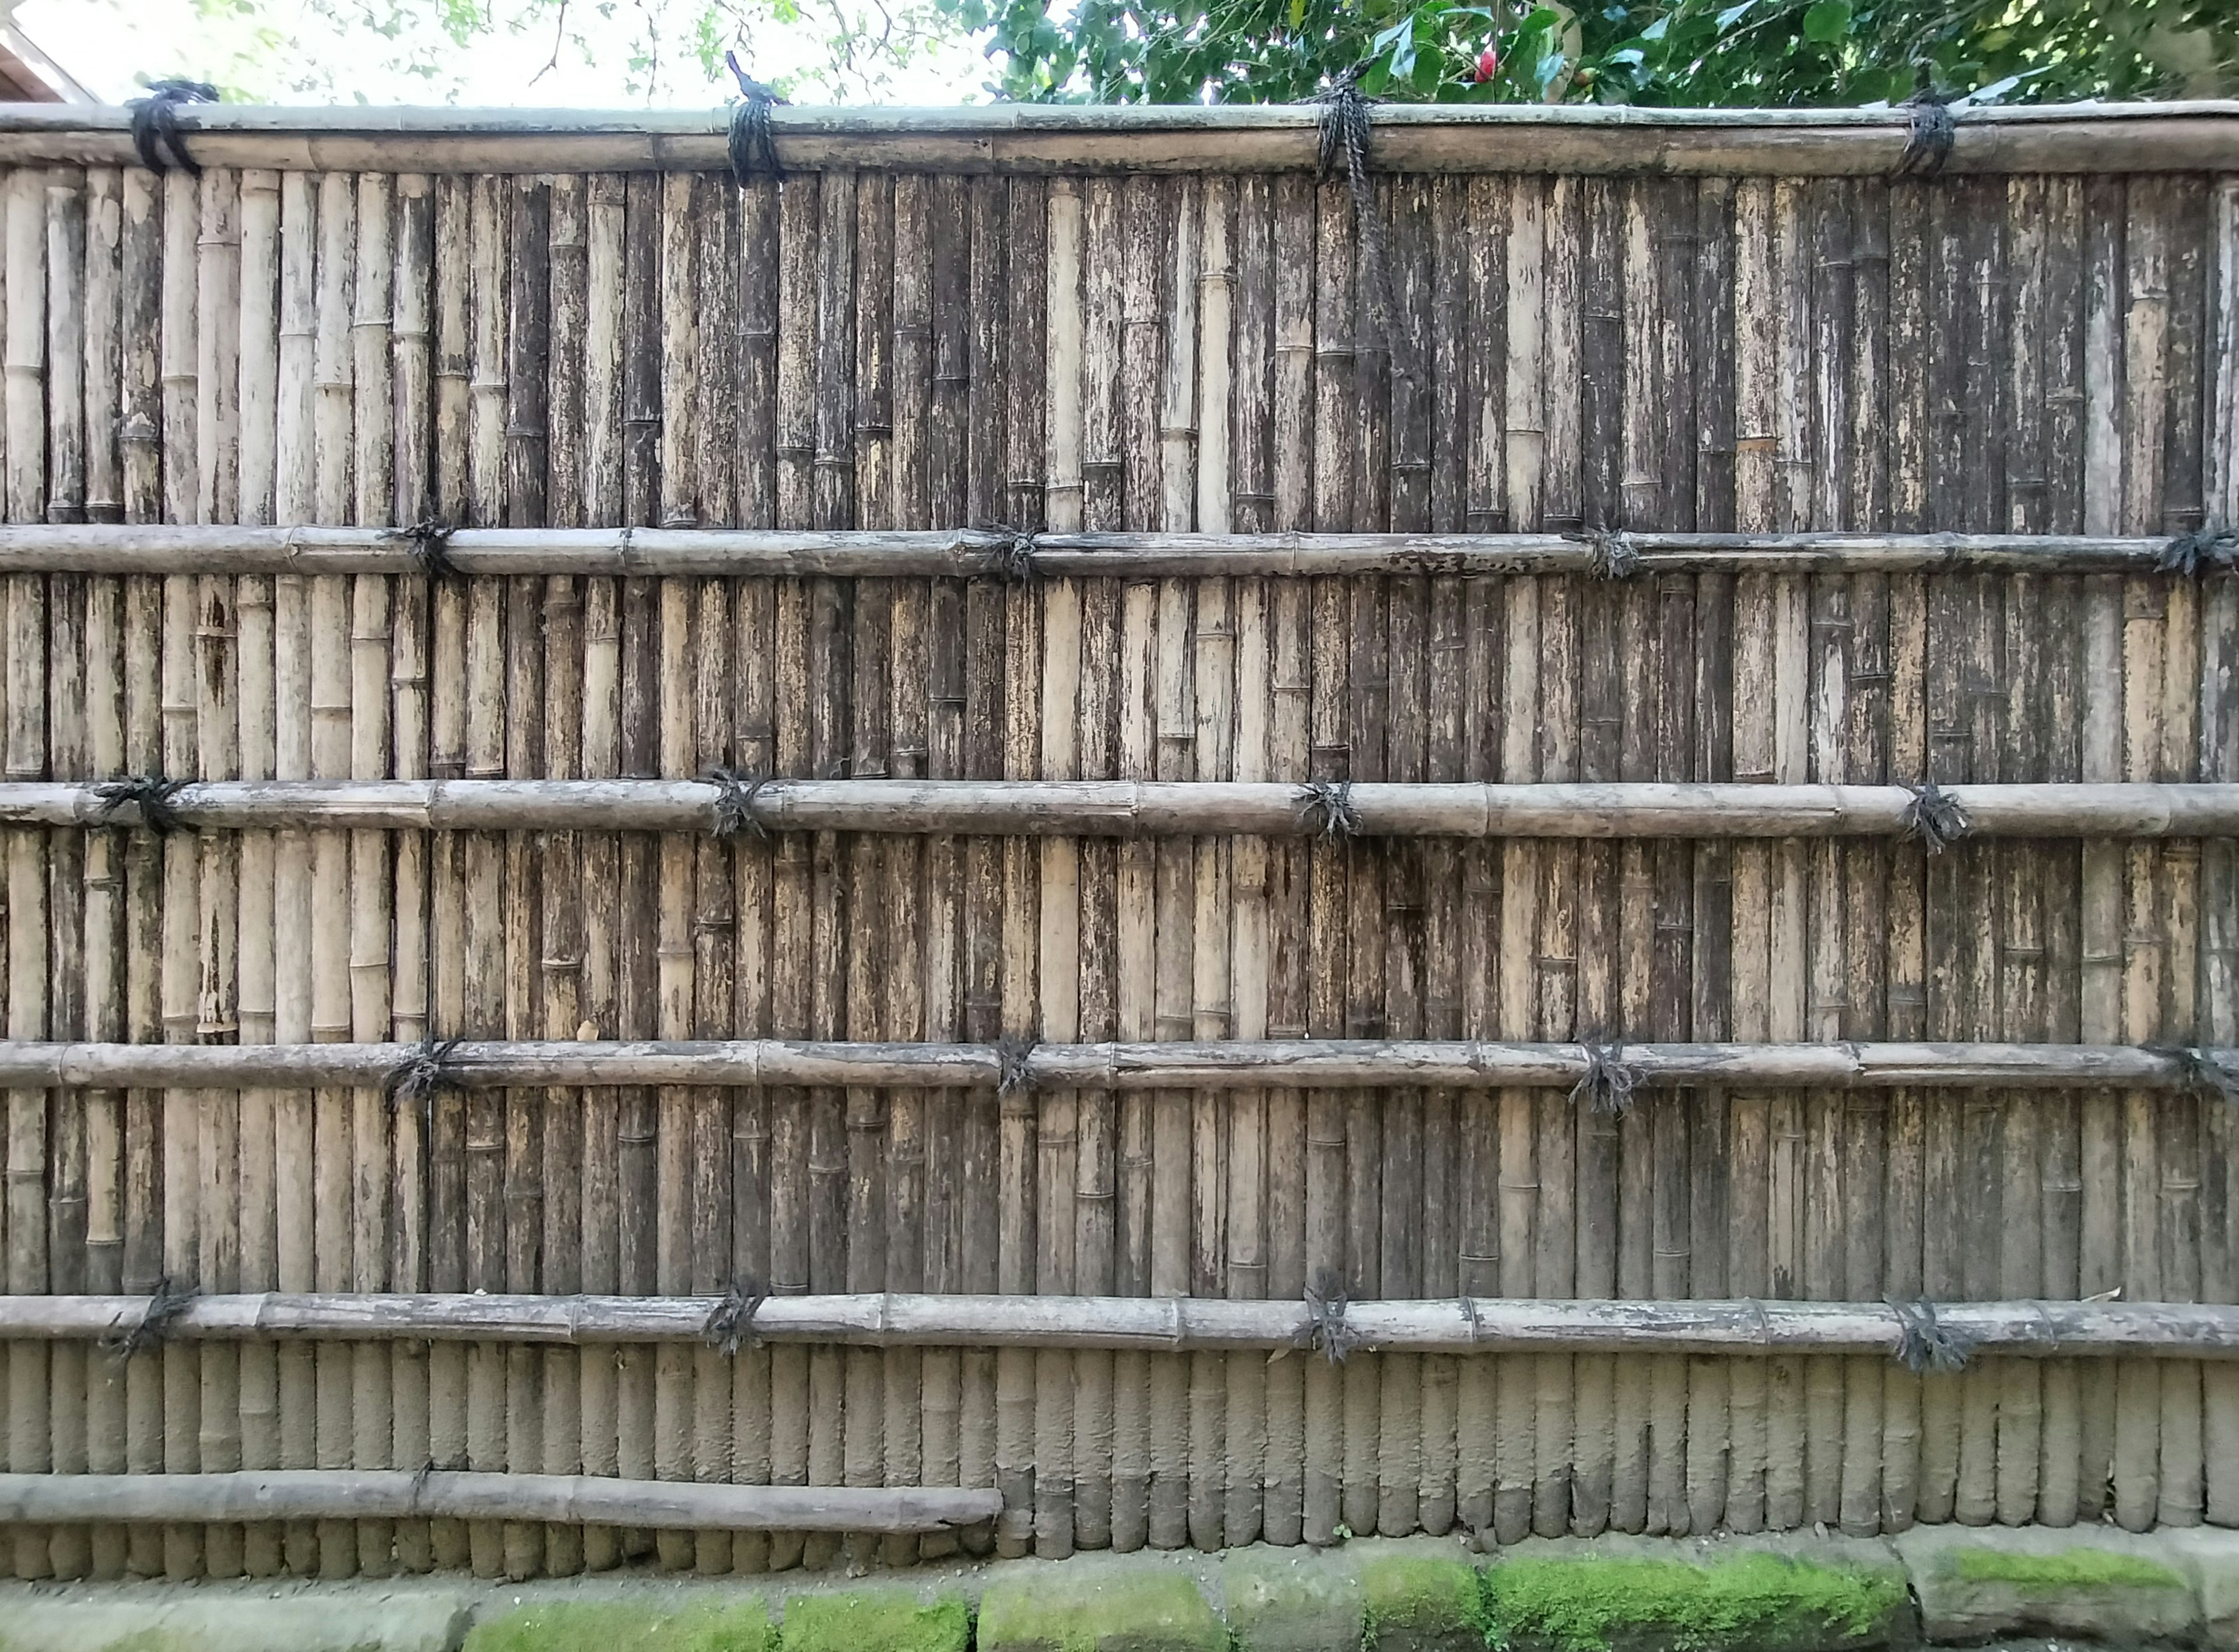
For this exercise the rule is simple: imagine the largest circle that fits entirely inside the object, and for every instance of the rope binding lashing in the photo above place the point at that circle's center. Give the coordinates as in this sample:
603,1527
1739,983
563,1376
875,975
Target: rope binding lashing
156,125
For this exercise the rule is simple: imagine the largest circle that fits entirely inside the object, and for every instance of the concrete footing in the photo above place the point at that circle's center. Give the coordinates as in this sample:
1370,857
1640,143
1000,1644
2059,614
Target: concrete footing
1945,1585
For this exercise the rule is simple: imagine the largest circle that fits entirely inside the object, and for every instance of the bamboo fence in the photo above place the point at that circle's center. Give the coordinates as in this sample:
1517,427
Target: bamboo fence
959,741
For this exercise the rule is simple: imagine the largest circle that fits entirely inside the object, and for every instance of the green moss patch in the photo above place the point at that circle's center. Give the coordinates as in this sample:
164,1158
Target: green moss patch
1417,1601
881,1621
1100,1611
1753,1600
2068,1569
744,1626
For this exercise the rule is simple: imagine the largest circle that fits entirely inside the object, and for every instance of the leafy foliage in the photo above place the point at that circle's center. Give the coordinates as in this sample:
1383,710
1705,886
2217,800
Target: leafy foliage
1669,52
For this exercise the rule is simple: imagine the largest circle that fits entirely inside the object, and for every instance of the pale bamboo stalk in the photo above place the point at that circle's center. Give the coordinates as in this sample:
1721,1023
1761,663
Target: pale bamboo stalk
515,1498
105,352
2191,137
1738,1328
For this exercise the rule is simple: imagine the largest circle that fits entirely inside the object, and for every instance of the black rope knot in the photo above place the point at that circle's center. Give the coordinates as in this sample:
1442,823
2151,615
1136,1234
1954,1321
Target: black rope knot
1925,1342
1325,1333
2204,550
735,803
2204,1073
1928,144
1014,1059
1328,806
1011,558
753,148
155,124
429,540
153,1328
1607,1084
419,1078
1935,817
1615,555
1342,124
730,1323
151,795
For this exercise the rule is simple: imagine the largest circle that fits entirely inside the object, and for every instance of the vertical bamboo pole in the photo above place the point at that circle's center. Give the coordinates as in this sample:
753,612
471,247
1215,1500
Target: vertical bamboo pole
412,494
910,366
444,1121
2219,755
1750,1117
253,613
2102,871
597,1122
1059,943
105,967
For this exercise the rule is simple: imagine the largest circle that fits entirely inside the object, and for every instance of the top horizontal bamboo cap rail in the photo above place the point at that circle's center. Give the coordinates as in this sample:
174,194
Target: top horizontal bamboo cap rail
2089,137
965,553
1147,808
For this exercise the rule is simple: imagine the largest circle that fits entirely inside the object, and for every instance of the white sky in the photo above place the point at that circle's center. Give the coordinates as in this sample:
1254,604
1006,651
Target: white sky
292,51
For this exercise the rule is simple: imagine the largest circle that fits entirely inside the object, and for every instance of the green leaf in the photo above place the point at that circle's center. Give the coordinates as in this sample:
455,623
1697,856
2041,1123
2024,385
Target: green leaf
1826,21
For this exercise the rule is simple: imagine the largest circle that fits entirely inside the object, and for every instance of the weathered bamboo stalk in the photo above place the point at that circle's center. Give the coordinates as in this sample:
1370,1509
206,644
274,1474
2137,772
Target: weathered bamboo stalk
397,1494
1145,808
2190,137
1170,1324
224,547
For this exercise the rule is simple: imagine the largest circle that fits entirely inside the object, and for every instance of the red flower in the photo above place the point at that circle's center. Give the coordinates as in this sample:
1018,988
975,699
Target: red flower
1488,65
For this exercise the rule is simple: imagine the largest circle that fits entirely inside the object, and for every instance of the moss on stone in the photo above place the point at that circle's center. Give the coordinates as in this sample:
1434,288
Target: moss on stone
2067,1568
1099,1610
1590,1605
743,1626
875,1620
1421,1600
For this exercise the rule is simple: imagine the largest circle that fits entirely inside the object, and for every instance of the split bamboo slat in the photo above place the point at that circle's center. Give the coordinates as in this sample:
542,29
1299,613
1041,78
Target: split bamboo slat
1025,763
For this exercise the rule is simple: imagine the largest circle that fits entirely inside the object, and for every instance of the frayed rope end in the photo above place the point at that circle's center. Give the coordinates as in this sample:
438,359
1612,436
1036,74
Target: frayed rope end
1615,555
1015,1054
1935,818
1925,1342
730,1323
1325,1331
415,1081
151,795
153,1328
1609,1081
1326,807
735,803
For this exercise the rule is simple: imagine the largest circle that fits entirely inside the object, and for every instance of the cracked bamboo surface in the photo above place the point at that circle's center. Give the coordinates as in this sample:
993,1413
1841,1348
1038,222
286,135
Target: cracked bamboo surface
275,364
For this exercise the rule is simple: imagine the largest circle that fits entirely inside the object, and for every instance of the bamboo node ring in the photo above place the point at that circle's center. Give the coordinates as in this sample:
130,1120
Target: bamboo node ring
1015,1054
1011,558
2204,550
1928,143
1935,817
1607,1084
153,1328
152,795
1923,1343
415,1081
1332,801
735,803
1615,555
753,147
730,1323
1325,1333
155,124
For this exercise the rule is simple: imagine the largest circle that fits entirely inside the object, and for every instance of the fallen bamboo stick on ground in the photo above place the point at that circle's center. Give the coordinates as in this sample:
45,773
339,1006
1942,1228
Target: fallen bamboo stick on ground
168,548
1135,808
1479,1325
415,1073
403,1494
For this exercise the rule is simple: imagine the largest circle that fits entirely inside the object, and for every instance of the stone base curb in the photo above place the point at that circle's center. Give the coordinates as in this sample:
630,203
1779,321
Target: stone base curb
1942,1585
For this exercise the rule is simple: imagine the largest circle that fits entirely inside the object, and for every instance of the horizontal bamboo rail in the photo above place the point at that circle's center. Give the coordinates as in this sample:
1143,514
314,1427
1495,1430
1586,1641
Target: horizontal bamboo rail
1294,1063
164,548
560,1499
2185,137
1133,808
891,1319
